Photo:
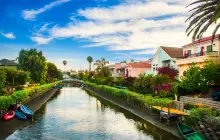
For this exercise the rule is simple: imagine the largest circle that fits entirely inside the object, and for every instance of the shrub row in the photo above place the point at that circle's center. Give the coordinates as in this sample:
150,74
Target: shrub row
206,116
143,101
23,95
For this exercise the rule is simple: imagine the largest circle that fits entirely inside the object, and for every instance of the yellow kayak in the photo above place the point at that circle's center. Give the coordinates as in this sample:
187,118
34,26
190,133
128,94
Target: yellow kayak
172,110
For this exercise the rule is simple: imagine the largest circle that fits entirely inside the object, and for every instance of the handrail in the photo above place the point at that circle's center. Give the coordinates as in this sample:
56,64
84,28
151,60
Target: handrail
199,54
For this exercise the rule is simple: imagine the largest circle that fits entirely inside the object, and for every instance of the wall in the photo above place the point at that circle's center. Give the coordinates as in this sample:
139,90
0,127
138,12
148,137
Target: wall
193,47
159,56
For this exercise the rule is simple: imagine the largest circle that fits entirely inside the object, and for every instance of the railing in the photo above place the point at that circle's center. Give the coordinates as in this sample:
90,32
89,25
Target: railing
118,74
212,53
205,102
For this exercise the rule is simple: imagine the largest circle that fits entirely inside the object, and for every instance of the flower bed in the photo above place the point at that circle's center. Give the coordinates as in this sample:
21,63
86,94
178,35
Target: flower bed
23,95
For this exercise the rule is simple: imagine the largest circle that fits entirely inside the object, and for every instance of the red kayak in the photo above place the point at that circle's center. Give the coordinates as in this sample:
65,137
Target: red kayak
9,115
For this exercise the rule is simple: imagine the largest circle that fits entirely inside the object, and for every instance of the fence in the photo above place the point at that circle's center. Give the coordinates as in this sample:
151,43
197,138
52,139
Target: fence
205,102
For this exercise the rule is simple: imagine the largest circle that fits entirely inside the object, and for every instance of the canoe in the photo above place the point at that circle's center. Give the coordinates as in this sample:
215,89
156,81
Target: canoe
26,111
10,115
20,115
188,133
172,110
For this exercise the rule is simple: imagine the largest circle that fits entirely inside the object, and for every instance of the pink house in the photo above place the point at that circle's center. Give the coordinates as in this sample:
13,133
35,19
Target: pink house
134,69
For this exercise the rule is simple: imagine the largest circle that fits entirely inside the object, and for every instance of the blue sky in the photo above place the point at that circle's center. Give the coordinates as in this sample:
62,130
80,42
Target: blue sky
74,29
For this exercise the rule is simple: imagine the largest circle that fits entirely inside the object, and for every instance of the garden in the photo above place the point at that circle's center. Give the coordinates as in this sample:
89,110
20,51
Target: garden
32,77
159,90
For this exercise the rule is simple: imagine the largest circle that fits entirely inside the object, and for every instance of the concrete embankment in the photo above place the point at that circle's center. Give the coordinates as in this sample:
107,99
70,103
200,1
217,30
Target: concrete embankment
8,127
147,116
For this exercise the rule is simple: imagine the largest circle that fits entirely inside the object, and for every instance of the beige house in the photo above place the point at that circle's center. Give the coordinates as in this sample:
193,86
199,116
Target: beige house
199,51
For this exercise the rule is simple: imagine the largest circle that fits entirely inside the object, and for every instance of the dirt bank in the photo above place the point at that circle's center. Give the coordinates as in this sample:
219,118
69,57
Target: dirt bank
8,127
147,116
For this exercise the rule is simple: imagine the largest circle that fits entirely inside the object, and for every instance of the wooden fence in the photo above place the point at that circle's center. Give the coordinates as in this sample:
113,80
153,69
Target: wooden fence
205,102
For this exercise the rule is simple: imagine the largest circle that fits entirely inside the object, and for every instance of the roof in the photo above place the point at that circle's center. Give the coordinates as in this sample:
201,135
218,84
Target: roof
173,52
204,40
6,62
139,65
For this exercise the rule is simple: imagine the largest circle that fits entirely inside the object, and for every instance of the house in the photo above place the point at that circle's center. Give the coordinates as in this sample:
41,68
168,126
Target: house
73,72
134,69
118,69
164,56
8,63
199,51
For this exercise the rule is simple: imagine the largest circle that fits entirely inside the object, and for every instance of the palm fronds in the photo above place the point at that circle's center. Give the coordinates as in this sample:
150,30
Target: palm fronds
204,15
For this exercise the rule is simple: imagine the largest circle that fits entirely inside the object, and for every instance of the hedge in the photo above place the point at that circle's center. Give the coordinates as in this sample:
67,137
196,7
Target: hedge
140,100
23,95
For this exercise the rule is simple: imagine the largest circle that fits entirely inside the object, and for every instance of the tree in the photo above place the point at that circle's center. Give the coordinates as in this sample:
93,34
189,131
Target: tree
144,83
205,14
193,81
211,73
74,76
171,72
59,75
101,66
2,81
90,60
52,72
34,62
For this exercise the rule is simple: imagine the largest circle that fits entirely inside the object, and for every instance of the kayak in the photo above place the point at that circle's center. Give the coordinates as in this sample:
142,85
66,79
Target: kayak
26,111
188,133
20,115
10,115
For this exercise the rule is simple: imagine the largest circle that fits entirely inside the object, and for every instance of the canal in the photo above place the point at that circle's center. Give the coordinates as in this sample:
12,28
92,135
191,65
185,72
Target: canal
74,114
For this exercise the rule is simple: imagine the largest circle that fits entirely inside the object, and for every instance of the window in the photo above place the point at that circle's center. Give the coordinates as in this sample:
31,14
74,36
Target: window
209,48
189,52
153,69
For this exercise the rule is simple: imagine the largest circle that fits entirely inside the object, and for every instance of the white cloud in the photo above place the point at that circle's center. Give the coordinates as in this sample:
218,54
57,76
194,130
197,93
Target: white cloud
132,11
8,35
149,51
41,40
31,14
129,26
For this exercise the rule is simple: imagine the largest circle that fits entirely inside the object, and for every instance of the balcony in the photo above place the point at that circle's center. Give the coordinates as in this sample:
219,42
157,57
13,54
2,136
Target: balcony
197,57
118,74
212,53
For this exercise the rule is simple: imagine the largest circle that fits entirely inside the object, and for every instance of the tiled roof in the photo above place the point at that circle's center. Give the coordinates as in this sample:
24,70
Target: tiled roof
173,52
139,65
204,40
6,62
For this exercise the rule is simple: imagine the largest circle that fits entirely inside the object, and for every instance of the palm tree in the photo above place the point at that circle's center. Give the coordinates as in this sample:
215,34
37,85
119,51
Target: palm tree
101,66
90,60
205,14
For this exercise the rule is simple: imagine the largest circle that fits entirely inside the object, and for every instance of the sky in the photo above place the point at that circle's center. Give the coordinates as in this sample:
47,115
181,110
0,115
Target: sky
71,30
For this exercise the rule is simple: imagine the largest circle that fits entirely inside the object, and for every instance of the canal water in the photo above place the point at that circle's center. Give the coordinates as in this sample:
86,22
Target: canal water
74,114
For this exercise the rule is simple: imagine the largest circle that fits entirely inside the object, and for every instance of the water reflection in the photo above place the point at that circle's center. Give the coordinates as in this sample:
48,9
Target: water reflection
73,114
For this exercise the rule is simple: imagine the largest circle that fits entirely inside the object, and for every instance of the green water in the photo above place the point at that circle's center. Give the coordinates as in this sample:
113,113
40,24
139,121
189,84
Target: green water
76,115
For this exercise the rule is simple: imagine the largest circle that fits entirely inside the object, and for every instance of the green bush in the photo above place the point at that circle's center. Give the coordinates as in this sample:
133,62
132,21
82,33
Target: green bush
131,97
199,114
163,93
23,95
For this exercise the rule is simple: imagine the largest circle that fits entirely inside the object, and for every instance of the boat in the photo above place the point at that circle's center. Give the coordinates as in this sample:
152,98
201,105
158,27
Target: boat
188,133
10,115
171,110
59,86
20,115
28,112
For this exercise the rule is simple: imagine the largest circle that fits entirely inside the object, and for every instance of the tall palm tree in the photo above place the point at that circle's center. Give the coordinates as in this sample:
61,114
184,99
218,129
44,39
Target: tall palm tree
206,13
101,66
90,60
